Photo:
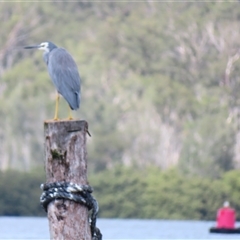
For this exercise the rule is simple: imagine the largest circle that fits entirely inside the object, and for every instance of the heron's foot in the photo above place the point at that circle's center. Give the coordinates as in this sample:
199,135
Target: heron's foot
70,117
56,109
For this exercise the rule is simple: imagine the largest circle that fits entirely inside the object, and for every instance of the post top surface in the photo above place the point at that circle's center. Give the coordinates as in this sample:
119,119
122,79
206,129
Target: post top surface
63,121
66,125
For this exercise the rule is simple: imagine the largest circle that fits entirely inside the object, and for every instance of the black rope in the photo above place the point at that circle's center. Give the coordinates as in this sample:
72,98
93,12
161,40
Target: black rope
74,192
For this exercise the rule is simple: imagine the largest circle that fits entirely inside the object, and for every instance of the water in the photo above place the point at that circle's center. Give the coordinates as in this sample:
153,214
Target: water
37,228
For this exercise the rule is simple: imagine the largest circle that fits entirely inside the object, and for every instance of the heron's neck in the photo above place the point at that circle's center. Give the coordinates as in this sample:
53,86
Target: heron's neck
46,57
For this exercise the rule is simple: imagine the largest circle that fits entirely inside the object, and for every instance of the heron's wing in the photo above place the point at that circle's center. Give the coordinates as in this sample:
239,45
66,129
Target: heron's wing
65,76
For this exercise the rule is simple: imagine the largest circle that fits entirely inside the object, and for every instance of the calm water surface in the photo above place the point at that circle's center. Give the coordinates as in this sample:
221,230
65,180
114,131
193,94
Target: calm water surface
37,228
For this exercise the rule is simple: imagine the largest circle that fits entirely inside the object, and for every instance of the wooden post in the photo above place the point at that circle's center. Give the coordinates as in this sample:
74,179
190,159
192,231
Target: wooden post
65,160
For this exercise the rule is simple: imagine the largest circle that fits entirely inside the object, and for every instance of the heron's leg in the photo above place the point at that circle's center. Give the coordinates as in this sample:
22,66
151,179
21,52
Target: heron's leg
70,114
56,108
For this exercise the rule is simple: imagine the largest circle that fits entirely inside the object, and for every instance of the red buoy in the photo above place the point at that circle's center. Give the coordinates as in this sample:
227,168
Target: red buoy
226,217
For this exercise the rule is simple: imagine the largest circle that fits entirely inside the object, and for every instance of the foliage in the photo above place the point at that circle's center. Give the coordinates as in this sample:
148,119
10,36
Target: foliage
131,193
20,193
152,193
160,88
160,82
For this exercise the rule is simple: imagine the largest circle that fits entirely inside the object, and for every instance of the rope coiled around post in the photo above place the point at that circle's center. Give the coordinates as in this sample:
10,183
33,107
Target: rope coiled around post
74,192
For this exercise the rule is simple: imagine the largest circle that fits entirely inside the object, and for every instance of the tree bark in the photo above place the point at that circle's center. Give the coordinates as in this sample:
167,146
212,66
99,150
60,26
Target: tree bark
65,160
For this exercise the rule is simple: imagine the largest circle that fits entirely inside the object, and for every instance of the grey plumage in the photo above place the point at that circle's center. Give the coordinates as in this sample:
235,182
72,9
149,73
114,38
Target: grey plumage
63,72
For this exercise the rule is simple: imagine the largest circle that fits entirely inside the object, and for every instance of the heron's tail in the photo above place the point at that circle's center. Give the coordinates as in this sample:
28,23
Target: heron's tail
77,100
74,101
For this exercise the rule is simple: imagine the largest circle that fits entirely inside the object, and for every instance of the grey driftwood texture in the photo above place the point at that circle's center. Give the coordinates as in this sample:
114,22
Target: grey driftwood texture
65,160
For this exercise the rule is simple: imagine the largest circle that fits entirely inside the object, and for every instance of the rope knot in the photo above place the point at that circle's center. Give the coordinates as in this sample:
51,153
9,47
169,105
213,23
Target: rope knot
73,192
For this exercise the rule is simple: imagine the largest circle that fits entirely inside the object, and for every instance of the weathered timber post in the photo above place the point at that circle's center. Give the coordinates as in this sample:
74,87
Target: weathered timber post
65,160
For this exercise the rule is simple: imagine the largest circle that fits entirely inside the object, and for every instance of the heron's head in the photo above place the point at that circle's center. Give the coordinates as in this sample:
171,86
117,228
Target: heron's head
45,46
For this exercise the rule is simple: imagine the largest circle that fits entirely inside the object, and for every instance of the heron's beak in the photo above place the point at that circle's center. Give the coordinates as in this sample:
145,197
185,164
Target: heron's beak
33,46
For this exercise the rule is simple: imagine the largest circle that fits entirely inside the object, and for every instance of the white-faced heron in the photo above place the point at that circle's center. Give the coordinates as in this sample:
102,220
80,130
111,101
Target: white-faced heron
64,74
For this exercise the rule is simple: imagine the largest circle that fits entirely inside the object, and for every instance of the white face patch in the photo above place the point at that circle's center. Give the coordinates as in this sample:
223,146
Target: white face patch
44,46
